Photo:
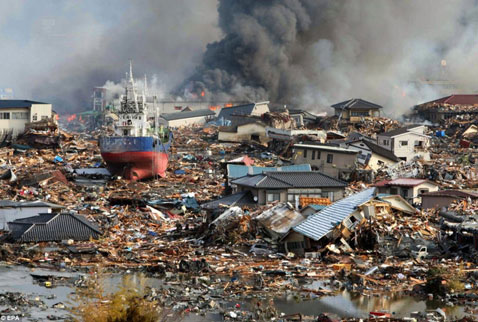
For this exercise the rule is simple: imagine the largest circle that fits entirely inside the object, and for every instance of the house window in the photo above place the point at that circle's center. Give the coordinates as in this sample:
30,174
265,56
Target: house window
305,153
403,143
385,142
393,191
5,116
34,117
20,115
422,191
44,117
404,193
313,155
360,113
273,196
318,155
330,158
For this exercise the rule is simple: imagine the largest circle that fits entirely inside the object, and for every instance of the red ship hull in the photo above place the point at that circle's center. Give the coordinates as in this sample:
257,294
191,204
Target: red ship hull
137,165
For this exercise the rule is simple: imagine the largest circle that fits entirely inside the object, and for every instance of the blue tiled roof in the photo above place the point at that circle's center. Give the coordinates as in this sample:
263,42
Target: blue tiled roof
235,171
321,223
17,103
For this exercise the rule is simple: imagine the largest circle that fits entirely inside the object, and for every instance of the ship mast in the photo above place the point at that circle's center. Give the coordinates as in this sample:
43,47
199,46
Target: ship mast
131,85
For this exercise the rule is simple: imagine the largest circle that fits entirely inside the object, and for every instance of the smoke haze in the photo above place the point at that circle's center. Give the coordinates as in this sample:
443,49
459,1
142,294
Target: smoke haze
310,53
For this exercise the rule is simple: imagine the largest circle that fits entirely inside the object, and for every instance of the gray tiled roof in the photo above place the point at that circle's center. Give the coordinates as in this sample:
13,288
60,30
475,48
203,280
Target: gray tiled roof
186,115
53,227
356,103
285,179
321,223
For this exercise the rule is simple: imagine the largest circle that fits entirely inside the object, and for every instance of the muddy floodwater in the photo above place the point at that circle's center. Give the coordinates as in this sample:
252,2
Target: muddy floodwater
344,304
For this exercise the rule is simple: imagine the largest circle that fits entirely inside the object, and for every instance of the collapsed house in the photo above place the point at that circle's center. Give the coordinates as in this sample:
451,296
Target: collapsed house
331,160
341,221
186,118
453,106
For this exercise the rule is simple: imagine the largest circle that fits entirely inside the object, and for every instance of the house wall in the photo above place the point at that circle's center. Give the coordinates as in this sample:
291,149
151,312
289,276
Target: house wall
437,201
11,214
421,189
295,243
375,159
357,115
341,161
16,126
260,108
40,111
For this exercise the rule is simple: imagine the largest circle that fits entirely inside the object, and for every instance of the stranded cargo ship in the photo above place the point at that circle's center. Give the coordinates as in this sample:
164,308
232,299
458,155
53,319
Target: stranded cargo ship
138,149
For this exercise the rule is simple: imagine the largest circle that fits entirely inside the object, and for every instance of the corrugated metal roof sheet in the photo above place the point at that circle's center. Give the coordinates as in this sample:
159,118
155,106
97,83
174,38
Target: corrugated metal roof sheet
237,171
24,204
321,223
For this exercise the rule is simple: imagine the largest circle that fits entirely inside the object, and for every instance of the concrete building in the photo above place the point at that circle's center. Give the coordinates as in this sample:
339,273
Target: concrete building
331,160
407,142
179,119
409,188
252,109
14,114
286,186
356,109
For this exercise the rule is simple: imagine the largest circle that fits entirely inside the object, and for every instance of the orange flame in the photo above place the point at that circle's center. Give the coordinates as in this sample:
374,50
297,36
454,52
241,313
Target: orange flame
71,117
228,105
213,108
203,93
57,117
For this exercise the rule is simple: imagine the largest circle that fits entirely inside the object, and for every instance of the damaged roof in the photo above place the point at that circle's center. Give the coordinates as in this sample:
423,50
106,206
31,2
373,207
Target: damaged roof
321,223
237,199
452,193
405,182
186,115
26,204
290,179
227,112
279,219
356,104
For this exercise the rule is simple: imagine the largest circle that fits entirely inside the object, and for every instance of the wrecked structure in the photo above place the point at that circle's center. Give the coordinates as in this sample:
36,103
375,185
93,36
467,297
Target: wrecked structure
460,106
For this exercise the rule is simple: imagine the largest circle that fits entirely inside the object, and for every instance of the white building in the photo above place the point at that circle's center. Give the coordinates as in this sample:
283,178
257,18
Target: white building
10,210
179,119
14,114
407,142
